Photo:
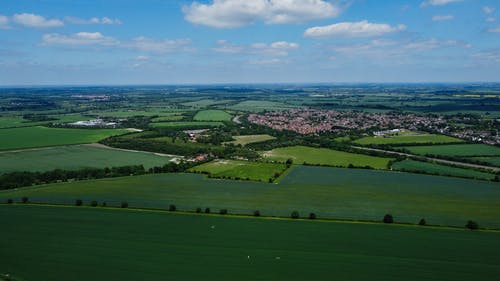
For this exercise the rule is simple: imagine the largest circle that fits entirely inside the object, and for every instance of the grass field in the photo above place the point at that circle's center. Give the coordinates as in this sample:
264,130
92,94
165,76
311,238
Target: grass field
29,137
76,157
433,168
398,140
323,156
492,160
60,243
457,150
244,140
329,192
212,115
167,118
241,169
187,124
260,105
130,113
205,102
16,121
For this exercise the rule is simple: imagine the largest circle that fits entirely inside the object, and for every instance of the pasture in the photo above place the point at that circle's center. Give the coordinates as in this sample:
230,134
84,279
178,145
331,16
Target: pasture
492,160
241,169
63,243
323,156
260,105
244,140
16,121
328,192
30,137
212,115
186,124
76,157
404,139
459,150
433,168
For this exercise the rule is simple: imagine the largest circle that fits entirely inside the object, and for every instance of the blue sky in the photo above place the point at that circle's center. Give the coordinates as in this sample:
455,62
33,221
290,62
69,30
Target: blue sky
56,42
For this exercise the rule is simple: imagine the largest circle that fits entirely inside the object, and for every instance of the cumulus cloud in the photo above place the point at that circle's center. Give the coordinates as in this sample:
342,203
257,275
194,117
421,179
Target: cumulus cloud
491,19
149,45
36,21
494,29
223,46
488,10
80,38
442,17
103,20
278,48
438,2
4,22
352,29
237,13
274,61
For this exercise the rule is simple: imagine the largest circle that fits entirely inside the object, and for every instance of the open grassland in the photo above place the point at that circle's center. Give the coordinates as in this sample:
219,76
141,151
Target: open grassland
328,192
241,169
81,244
130,113
323,156
76,157
167,118
29,137
17,121
212,115
433,168
205,103
492,160
244,140
398,140
187,124
260,105
456,150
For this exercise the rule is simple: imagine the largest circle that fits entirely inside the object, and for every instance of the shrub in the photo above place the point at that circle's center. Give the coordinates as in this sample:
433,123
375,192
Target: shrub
312,216
124,205
256,213
198,210
104,204
10,201
295,215
93,203
472,225
207,210
172,208
24,199
78,202
223,211
388,218
422,222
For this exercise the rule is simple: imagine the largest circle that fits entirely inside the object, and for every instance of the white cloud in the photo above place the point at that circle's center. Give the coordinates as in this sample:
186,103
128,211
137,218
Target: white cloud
491,56
494,29
352,29
278,48
36,21
226,47
4,22
145,44
488,10
80,38
274,61
103,20
237,13
438,2
491,19
442,17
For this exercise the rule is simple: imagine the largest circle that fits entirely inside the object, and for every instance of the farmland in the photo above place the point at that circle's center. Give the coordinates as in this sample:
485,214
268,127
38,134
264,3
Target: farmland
321,156
492,160
259,106
400,140
134,245
459,150
329,192
244,140
29,137
187,124
75,157
433,168
212,115
241,169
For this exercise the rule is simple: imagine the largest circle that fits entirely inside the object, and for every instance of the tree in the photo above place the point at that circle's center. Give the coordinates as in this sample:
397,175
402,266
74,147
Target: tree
295,215
93,203
289,162
388,218
104,204
24,199
207,210
198,210
256,213
472,225
223,211
422,222
10,201
124,205
172,208
78,202
312,216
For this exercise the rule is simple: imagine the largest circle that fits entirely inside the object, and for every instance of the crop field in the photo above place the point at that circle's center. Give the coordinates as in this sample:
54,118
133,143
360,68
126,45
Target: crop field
459,150
187,124
241,169
399,140
130,113
433,168
167,118
16,121
259,106
76,157
244,140
205,103
29,137
329,192
212,115
492,160
62,243
323,156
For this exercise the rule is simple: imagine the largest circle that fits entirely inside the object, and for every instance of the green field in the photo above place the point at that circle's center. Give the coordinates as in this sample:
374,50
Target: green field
329,192
323,156
131,112
205,103
74,158
212,115
29,137
492,160
397,140
167,118
456,150
260,105
433,168
186,124
244,140
16,121
81,244
241,169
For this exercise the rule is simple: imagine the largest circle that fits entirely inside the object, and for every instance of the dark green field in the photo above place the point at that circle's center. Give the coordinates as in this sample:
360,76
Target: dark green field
459,150
73,244
434,168
328,192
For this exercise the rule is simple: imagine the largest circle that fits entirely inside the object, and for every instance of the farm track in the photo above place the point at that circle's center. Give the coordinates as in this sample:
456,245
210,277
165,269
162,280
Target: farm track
99,145
437,160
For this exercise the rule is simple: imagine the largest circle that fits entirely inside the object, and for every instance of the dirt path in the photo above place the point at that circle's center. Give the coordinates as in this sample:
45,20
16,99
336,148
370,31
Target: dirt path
175,158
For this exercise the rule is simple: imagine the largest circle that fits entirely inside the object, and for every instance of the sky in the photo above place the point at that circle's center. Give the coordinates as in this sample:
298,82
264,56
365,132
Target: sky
129,42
